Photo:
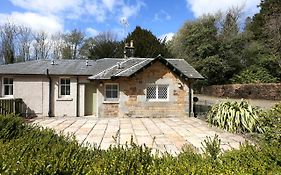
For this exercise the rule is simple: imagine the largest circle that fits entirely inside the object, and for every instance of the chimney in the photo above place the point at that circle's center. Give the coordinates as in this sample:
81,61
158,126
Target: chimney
129,49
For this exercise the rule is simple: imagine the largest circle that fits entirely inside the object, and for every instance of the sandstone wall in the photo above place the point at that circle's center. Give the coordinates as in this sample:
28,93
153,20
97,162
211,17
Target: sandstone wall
132,98
269,91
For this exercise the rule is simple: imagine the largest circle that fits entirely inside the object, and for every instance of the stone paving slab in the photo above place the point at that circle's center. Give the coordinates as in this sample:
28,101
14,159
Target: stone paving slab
162,134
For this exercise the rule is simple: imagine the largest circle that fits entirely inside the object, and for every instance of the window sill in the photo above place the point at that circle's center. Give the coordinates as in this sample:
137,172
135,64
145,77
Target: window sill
157,101
111,102
7,97
65,99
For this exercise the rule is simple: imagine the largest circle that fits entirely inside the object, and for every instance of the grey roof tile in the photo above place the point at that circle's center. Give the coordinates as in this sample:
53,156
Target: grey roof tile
106,68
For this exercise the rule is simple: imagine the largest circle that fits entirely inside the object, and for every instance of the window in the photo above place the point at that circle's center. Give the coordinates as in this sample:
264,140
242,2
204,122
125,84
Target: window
64,86
157,92
111,92
8,87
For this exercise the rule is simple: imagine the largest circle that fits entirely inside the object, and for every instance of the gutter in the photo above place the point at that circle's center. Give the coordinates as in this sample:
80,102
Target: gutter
50,94
77,97
190,98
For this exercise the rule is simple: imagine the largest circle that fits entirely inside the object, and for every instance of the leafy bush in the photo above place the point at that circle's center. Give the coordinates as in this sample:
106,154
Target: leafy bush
271,122
235,116
34,150
10,127
211,147
254,75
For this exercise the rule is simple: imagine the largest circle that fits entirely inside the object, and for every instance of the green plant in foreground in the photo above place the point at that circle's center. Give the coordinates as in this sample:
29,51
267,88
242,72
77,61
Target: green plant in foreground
35,150
211,147
235,116
271,122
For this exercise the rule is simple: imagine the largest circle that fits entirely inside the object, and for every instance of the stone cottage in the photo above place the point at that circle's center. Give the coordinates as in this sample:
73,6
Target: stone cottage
109,87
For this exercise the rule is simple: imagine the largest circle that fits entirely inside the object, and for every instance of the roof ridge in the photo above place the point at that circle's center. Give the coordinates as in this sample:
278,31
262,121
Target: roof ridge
174,58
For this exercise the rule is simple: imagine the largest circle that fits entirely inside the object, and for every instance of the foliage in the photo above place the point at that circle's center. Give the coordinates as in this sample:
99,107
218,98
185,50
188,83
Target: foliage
104,45
196,39
254,75
214,69
34,150
146,44
211,147
271,122
215,42
266,25
235,116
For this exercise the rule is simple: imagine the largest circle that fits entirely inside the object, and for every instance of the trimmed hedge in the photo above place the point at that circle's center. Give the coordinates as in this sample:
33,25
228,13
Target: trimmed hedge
30,149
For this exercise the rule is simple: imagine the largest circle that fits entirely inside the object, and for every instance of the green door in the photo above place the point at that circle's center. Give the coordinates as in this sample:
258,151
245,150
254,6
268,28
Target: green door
90,99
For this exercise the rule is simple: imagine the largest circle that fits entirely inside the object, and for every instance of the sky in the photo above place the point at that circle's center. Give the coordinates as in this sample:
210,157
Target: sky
161,17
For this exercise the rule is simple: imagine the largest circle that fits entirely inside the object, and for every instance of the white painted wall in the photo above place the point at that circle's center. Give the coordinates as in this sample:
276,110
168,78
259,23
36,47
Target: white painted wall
34,90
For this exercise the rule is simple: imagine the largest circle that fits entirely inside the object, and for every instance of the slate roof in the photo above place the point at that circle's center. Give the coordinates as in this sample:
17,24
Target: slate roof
105,68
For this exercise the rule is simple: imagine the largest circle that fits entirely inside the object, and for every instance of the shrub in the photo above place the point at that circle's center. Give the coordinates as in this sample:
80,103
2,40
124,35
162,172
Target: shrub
211,147
254,75
235,116
35,150
271,122
10,126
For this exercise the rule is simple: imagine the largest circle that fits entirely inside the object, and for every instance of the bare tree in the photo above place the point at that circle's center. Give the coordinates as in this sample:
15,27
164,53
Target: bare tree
56,46
8,32
24,42
73,43
41,46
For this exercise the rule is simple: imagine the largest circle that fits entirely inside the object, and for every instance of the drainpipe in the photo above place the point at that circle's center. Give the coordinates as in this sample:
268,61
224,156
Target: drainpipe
50,94
77,97
190,98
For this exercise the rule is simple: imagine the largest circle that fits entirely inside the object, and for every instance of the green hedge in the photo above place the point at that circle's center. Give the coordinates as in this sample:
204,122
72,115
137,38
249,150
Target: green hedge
30,149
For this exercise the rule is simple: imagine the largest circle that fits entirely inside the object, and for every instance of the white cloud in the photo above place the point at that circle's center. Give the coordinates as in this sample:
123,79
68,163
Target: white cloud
92,32
131,10
168,36
36,22
109,3
201,7
161,16
49,6
74,9
51,14
97,10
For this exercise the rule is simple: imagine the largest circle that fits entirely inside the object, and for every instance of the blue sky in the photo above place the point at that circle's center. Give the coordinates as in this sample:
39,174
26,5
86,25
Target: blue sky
162,17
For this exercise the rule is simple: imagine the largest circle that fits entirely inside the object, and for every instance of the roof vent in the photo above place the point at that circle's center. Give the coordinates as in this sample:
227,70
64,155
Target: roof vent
87,63
118,65
53,62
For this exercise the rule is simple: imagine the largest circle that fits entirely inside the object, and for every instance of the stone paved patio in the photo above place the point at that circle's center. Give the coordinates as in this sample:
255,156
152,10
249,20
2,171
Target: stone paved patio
163,134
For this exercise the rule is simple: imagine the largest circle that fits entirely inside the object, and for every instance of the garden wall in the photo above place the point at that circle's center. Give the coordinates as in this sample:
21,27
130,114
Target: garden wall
269,91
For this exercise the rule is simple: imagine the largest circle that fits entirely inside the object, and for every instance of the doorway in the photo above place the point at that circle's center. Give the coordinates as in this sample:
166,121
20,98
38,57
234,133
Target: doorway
90,100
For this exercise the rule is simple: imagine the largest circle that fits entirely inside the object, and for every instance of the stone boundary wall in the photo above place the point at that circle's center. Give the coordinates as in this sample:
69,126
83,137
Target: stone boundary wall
268,91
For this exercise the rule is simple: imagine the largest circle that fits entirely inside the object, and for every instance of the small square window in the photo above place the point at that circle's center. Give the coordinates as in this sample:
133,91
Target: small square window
64,86
111,92
157,92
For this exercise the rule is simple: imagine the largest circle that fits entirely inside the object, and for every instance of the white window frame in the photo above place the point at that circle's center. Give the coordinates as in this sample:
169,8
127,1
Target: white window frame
3,87
111,99
158,99
60,95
